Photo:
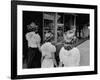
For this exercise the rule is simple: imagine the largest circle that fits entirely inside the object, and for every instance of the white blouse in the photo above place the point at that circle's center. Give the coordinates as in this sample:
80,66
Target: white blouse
47,49
33,39
69,58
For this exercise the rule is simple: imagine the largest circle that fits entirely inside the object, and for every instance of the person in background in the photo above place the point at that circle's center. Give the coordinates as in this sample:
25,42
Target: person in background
86,31
68,55
34,55
48,58
48,35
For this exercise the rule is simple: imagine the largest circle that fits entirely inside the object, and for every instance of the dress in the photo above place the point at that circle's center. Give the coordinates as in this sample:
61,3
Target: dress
70,58
47,50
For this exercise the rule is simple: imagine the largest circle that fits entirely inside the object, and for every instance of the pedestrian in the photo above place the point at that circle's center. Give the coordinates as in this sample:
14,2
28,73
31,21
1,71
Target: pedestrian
69,55
48,59
34,55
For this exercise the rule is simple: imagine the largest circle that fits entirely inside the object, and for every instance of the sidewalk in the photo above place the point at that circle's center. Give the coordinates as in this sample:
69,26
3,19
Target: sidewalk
84,53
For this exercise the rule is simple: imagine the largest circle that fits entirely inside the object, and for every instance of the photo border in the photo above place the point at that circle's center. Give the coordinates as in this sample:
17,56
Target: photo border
14,5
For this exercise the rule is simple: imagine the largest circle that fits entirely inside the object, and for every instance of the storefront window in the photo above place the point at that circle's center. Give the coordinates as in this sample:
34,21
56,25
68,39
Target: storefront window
49,26
55,24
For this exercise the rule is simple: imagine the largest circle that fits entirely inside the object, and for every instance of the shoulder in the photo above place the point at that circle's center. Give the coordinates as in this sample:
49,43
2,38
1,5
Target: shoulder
62,53
75,51
62,50
30,33
48,46
44,46
38,36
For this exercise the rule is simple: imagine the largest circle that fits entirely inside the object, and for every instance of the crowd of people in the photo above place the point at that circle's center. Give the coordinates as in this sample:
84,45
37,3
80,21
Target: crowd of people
48,54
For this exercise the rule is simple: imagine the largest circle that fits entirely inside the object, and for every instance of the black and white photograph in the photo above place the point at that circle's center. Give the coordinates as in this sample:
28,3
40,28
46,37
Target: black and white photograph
53,39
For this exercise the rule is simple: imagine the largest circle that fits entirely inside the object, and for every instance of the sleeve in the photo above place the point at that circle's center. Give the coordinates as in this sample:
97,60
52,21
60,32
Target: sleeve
53,48
28,36
43,50
77,56
38,38
61,55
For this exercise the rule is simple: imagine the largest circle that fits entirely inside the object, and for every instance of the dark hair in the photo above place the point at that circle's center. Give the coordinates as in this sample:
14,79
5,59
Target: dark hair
66,28
69,47
48,39
33,29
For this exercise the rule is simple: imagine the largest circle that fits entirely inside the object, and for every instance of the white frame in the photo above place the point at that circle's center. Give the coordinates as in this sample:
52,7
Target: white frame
22,71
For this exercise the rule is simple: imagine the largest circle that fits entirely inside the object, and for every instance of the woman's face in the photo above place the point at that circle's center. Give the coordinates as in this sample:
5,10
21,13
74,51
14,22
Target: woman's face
70,34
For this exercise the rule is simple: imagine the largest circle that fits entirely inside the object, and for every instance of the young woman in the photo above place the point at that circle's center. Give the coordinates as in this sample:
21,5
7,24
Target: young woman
69,56
34,55
48,59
